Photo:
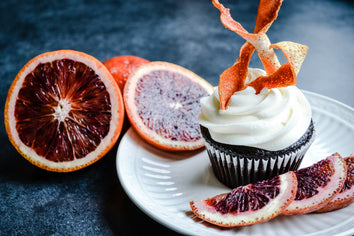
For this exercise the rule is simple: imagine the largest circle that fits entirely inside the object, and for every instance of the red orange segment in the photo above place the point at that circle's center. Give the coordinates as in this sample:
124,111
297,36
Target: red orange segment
318,184
250,204
345,197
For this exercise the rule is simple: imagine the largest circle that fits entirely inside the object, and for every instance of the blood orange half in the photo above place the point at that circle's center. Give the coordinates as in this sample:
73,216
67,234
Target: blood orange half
162,104
64,111
250,204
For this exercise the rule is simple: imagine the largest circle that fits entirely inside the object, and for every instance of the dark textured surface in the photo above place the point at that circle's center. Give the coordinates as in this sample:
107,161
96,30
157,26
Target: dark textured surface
184,32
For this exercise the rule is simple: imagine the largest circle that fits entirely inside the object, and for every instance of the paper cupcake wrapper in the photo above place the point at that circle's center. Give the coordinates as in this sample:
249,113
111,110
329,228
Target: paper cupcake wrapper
239,165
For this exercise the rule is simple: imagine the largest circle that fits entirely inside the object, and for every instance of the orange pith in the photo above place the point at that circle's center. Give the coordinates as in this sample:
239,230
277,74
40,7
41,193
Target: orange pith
64,111
162,104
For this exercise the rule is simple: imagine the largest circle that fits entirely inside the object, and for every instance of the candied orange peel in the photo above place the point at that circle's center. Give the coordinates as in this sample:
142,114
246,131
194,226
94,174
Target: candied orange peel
233,79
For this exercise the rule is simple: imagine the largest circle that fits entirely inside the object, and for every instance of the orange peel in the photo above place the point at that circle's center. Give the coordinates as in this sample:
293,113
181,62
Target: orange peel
266,14
259,40
233,78
227,83
295,53
283,77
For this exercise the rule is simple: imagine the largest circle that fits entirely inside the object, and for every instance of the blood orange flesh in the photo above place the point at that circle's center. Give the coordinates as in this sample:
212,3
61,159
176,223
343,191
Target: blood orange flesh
64,111
250,204
162,103
318,184
345,197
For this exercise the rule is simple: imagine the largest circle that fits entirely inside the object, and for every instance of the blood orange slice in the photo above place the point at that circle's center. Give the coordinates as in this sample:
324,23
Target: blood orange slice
64,111
318,184
162,104
122,66
250,204
345,197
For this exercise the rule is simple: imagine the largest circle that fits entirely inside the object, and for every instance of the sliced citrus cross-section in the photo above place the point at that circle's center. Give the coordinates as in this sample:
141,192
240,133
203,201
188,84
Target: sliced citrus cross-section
345,197
64,111
250,204
162,104
318,184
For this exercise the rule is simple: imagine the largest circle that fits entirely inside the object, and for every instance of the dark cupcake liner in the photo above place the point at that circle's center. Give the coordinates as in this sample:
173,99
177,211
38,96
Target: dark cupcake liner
236,165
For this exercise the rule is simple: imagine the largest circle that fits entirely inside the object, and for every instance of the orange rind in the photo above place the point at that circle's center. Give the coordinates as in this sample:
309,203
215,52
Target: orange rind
283,77
295,53
233,78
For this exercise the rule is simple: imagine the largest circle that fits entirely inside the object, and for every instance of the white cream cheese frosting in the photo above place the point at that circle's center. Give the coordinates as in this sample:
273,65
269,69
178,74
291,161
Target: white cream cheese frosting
272,120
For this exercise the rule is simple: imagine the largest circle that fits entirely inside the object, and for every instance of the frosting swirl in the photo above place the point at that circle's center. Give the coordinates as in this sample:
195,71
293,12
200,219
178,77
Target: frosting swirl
272,120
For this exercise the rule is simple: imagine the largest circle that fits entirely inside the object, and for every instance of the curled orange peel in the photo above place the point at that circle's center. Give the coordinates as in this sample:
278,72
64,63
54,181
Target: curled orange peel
266,14
295,53
259,40
283,77
227,83
233,78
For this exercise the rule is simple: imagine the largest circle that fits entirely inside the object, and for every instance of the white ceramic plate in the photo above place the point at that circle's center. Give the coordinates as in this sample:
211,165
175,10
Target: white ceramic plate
162,183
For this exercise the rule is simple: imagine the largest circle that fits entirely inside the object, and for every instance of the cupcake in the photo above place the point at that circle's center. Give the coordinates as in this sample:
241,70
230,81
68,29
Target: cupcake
257,124
258,136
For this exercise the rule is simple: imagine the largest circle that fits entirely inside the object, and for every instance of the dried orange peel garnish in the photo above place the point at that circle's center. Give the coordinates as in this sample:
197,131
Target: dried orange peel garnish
233,78
295,53
284,76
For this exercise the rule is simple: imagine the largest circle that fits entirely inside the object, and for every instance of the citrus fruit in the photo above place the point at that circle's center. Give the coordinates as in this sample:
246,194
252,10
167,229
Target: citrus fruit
318,184
122,66
162,104
250,204
345,197
64,111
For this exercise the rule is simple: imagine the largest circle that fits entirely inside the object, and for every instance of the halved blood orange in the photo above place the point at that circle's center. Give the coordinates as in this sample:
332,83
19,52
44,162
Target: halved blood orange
318,184
122,66
162,104
345,197
250,204
64,111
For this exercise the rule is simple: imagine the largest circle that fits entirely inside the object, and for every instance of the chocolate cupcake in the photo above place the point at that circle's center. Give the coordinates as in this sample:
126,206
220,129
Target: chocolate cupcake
257,124
258,136
236,165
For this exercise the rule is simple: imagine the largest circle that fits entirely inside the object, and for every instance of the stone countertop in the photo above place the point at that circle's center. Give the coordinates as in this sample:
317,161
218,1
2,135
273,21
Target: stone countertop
185,32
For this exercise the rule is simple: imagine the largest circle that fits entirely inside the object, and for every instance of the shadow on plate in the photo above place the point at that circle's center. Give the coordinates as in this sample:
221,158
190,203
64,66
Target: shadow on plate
191,215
